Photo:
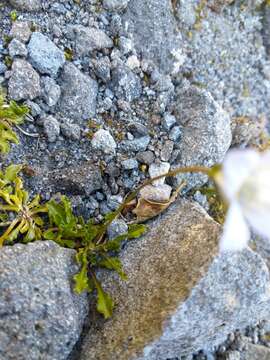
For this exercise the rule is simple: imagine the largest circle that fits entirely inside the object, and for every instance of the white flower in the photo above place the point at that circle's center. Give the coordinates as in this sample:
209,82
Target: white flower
245,182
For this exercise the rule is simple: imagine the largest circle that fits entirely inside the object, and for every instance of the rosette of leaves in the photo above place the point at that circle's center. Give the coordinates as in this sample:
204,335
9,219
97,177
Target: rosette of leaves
11,114
26,223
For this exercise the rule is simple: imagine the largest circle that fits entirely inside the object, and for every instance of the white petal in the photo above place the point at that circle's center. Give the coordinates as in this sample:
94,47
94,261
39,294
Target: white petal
237,166
259,219
236,234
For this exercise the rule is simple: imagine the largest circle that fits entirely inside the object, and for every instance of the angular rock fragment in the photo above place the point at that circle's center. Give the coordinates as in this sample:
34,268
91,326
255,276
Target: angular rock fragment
51,128
44,55
79,92
21,31
50,91
103,140
126,84
206,133
90,39
24,81
180,296
40,315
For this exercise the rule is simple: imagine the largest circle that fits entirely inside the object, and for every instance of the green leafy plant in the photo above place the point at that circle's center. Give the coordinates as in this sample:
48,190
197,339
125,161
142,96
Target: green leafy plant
26,214
11,114
23,220
94,250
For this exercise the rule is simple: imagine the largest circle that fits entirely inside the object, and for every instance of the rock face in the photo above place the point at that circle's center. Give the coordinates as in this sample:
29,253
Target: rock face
28,5
161,313
44,55
206,133
40,316
79,92
24,82
153,27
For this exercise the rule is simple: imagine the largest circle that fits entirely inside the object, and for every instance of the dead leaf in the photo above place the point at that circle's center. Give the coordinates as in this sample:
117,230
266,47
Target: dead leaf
147,209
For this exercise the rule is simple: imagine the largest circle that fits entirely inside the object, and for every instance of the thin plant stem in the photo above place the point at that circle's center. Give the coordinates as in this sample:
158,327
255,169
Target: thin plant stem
189,169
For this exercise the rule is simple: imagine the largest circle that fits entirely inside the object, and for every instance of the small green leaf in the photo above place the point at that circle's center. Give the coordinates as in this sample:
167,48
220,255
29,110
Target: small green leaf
113,263
136,230
81,278
12,172
105,303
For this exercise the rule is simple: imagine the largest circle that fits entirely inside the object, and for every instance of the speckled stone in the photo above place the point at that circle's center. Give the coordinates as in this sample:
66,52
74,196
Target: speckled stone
179,297
40,316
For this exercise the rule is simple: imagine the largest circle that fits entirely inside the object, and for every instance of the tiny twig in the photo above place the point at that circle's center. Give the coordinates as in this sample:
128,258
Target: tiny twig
27,133
29,118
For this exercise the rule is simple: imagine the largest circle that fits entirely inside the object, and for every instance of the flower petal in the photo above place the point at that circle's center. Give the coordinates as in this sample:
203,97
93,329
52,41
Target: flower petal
237,166
259,219
235,232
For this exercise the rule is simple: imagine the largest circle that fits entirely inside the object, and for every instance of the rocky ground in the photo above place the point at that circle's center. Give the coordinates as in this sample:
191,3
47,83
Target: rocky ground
120,90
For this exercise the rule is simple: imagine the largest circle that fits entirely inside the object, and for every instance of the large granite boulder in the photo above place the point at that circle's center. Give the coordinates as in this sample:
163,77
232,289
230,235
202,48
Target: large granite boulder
180,296
40,316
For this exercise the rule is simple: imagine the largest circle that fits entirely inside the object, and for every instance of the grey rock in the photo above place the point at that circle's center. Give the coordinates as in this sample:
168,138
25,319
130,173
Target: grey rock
51,92
233,355
138,144
117,227
183,300
102,68
3,68
24,81
44,55
146,157
115,5
51,128
125,84
71,131
154,30
156,193
130,164
34,107
137,129
26,5
103,140
76,180
114,201
166,150
256,352
157,169
21,31
168,121
17,48
126,45
89,39
175,133
41,316
206,133
79,92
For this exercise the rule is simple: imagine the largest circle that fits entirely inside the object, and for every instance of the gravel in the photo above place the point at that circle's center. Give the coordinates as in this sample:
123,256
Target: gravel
127,85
